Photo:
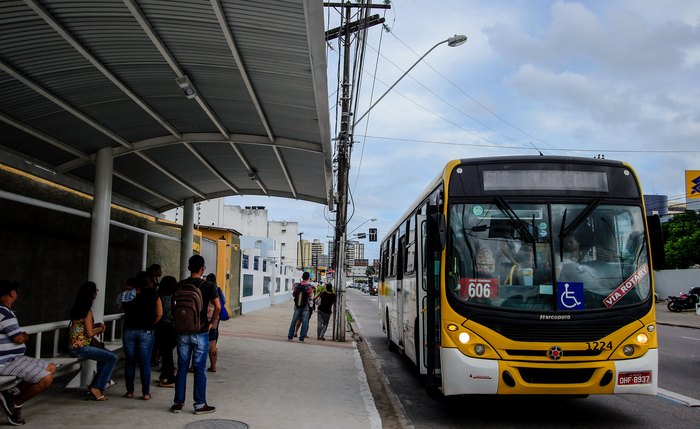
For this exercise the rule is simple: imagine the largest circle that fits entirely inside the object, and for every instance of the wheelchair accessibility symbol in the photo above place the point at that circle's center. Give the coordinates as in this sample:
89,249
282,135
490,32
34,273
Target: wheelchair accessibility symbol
570,296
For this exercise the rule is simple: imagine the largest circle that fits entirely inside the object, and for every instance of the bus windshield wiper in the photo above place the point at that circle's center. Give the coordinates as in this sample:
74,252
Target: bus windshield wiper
515,220
522,226
578,220
471,251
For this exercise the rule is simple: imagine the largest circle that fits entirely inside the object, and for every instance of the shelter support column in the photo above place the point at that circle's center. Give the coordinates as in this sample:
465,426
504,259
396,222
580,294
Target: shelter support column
99,241
144,253
187,236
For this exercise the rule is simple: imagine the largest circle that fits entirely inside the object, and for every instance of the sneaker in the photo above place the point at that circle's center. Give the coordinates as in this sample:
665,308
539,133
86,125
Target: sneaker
206,409
176,408
166,383
7,402
289,339
15,418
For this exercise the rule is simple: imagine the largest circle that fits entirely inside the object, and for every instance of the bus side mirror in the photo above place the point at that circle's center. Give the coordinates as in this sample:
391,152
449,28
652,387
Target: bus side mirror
656,242
442,230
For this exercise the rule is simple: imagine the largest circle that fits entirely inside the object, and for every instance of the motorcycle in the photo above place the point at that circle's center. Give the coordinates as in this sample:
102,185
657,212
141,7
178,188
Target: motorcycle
686,301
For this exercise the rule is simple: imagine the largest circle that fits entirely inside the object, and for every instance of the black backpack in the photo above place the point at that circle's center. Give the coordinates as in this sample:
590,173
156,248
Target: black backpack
301,299
187,308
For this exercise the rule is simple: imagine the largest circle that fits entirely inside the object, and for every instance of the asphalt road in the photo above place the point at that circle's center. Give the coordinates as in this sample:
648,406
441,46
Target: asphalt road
679,352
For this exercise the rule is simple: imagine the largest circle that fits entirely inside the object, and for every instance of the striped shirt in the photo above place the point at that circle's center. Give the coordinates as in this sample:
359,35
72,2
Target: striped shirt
9,328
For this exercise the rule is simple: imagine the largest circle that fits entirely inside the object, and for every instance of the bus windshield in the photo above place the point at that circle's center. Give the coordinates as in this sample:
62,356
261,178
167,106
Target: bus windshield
547,257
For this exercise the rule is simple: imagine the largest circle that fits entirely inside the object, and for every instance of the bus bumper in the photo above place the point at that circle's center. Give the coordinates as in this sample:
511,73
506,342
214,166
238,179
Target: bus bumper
463,375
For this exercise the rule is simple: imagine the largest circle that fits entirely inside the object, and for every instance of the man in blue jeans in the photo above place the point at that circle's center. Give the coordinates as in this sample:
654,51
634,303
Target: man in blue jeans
195,347
301,312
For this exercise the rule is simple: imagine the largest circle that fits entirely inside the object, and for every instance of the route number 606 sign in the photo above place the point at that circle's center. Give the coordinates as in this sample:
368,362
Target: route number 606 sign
478,288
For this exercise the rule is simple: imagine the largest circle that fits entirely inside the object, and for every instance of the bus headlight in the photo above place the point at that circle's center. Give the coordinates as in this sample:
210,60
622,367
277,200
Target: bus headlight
642,338
479,349
628,350
464,338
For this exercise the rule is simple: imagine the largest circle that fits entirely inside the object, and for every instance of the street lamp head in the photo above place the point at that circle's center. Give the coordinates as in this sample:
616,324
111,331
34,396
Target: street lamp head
456,40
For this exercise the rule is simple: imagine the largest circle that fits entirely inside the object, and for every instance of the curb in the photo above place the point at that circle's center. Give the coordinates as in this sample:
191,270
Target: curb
677,325
370,359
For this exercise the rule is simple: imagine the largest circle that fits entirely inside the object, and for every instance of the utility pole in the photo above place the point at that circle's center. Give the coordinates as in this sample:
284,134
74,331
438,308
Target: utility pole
344,152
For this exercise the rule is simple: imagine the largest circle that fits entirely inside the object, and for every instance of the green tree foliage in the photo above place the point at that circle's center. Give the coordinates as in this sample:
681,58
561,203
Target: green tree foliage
682,244
370,271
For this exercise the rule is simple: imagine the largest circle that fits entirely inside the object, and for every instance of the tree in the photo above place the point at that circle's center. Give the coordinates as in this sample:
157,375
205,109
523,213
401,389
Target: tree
682,243
370,271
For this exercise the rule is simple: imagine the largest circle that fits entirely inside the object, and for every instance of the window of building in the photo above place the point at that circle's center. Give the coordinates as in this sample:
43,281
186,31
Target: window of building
256,263
277,287
247,285
264,265
286,285
266,285
245,262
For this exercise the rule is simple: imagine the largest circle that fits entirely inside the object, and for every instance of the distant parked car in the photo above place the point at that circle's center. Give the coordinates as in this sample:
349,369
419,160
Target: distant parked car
365,288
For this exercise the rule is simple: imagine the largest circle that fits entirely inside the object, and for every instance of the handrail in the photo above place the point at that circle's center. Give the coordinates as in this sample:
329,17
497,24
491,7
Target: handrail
56,327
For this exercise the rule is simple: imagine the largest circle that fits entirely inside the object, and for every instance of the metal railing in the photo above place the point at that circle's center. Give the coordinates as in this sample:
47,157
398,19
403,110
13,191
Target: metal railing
64,324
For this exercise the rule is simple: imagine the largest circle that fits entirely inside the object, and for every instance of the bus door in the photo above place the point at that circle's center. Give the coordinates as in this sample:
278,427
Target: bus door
421,274
401,291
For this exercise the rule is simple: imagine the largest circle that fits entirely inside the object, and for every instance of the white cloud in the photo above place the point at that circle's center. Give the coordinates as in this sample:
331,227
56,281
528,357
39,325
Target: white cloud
601,76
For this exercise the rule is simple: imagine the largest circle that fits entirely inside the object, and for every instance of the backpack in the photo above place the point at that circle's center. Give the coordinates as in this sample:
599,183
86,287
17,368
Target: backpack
187,307
301,299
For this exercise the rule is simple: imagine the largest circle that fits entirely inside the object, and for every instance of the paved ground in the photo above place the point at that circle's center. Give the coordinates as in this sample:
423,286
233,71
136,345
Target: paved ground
262,380
686,318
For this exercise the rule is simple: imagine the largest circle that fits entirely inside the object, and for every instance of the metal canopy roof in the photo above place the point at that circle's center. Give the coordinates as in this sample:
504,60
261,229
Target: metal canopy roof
79,76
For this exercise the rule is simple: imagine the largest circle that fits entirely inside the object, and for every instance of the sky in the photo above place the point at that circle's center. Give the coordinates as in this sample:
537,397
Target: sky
618,78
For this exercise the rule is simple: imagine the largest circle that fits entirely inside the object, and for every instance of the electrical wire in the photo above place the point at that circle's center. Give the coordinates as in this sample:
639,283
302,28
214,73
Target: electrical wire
371,100
472,98
445,101
669,151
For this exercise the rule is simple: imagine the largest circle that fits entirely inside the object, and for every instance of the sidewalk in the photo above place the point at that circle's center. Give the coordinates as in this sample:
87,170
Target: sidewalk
686,319
262,380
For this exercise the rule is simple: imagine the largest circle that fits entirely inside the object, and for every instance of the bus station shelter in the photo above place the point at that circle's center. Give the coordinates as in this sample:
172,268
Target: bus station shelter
155,104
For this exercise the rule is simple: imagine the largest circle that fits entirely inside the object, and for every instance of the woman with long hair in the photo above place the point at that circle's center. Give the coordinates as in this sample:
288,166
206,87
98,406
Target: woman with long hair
140,317
82,330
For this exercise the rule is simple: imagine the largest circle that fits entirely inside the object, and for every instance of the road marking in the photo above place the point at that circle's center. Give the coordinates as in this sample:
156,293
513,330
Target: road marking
691,338
685,400
374,419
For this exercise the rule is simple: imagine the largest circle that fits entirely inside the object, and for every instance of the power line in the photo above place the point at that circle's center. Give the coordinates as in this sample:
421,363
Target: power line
607,150
442,99
473,99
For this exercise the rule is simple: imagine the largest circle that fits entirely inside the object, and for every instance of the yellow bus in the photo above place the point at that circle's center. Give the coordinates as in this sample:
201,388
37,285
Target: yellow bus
525,275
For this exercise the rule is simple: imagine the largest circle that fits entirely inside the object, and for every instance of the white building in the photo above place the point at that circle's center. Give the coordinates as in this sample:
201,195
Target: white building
264,280
251,220
286,234
268,250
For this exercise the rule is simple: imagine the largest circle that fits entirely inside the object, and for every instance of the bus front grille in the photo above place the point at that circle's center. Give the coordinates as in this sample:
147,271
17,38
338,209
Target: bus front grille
555,376
536,331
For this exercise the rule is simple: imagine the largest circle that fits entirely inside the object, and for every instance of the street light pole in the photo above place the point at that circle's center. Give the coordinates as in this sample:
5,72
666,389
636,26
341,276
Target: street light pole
374,219
453,41
344,149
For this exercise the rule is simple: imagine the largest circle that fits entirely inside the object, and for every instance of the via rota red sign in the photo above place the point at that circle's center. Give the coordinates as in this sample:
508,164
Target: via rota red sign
626,286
